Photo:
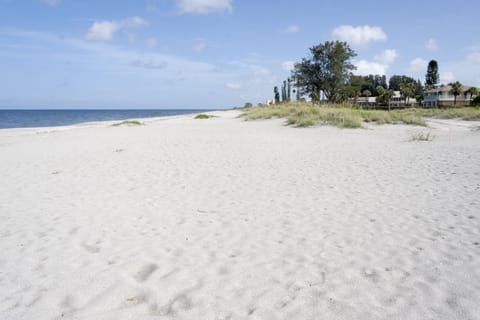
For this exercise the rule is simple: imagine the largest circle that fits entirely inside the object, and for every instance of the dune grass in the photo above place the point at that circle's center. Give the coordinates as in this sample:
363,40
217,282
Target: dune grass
421,136
463,113
203,116
128,123
340,115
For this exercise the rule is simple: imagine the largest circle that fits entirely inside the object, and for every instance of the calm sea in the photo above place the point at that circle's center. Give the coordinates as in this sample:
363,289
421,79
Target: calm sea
50,118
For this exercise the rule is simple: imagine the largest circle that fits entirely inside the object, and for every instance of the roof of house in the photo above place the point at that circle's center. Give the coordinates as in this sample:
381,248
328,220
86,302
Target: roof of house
447,89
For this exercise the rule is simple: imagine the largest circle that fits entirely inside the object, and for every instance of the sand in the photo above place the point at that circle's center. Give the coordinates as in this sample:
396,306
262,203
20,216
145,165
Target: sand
229,219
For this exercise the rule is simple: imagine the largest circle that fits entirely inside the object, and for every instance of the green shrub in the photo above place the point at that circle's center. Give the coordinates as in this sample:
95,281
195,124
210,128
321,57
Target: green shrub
476,101
128,123
421,136
202,116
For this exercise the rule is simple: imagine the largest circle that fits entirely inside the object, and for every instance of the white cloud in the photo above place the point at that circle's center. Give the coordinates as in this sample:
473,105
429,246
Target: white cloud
52,3
134,22
380,64
199,46
387,57
432,45
102,31
132,37
474,57
365,68
447,77
148,64
292,29
288,65
204,6
359,36
233,86
152,42
105,30
418,65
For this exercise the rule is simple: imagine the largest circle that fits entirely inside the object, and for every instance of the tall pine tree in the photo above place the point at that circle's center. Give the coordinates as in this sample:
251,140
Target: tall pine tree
432,77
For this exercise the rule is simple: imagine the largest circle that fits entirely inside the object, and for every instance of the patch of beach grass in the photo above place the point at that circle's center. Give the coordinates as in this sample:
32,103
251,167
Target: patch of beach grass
303,114
128,123
463,113
421,136
203,116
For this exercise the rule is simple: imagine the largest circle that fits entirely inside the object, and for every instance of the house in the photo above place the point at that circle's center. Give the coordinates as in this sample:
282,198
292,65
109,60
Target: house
399,100
443,96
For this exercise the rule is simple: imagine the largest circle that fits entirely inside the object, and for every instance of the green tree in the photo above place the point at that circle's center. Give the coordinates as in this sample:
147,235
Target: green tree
315,97
396,81
407,90
289,89
456,90
277,95
432,77
384,96
419,89
327,69
473,91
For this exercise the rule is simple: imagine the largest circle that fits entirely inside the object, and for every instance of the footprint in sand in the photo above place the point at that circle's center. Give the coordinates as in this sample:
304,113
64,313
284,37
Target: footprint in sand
145,272
91,248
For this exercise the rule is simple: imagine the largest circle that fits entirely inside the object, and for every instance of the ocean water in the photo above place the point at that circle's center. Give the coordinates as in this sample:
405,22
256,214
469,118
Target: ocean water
51,118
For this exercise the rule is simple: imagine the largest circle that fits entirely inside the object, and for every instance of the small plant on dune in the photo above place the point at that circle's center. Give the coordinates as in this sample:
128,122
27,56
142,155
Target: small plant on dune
128,123
202,116
421,136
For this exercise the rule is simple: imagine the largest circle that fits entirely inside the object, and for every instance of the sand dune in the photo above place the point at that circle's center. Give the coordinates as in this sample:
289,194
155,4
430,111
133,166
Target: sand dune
228,219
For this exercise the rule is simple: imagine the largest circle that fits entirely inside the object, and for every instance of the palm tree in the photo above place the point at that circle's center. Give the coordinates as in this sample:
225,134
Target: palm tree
367,94
385,95
473,92
456,90
407,90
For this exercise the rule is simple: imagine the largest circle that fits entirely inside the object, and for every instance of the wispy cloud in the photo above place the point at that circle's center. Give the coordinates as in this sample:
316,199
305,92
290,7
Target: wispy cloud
418,65
233,86
292,29
105,30
152,42
139,63
52,3
432,45
288,65
360,35
200,46
204,6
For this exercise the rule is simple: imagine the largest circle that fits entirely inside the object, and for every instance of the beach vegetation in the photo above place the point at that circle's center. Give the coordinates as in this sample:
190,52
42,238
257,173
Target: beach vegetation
421,136
464,113
456,90
432,76
476,101
276,95
127,123
325,71
203,116
305,114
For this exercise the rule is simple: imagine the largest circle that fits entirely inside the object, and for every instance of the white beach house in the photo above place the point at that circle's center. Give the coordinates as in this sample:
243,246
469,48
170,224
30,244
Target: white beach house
443,96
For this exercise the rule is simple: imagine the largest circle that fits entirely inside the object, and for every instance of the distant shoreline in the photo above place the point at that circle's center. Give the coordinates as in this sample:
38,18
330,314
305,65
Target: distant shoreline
40,118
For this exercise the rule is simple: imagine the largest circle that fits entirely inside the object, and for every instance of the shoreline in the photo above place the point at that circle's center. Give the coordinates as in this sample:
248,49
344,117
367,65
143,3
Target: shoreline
99,122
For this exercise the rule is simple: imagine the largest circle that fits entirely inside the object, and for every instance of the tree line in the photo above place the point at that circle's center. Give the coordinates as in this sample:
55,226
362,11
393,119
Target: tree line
327,74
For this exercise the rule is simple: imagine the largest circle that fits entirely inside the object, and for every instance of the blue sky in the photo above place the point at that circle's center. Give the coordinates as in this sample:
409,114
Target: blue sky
214,53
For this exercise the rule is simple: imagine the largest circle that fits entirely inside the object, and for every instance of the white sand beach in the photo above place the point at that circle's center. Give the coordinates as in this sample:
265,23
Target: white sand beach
231,219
